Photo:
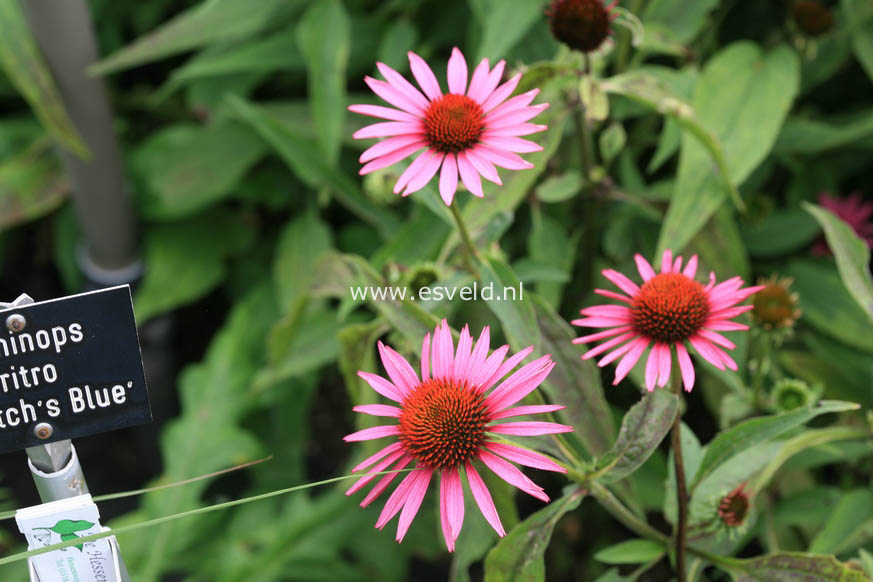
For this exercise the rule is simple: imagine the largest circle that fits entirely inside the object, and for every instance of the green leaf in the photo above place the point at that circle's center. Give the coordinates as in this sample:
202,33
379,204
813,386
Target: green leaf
757,430
185,260
742,97
28,72
631,552
681,19
780,233
517,315
644,427
813,136
303,157
852,254
850,524
71,536
519,555
560,188
323,36
301,245
31,185
209,22
791,567
647,87
827,305
612,141
67,526
504,23
858,13
574,383
866,561
185,168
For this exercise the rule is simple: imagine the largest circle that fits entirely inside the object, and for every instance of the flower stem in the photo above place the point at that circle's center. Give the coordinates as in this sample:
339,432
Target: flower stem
681,486
470,252
627,518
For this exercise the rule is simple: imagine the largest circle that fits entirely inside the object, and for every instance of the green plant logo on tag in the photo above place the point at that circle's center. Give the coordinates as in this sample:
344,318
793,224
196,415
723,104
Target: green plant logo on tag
66,529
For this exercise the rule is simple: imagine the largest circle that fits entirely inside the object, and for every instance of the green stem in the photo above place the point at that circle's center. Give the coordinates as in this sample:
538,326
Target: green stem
624,515
471,254
681,485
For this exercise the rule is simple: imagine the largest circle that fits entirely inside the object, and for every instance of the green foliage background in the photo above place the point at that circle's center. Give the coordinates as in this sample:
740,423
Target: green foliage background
713,129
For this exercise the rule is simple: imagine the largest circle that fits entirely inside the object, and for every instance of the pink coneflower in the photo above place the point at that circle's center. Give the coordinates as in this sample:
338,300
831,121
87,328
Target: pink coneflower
669,309
466,132
583,25
445,423
854,211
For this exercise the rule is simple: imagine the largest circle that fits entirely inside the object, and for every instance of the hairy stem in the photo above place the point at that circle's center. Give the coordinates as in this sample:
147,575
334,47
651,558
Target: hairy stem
681,486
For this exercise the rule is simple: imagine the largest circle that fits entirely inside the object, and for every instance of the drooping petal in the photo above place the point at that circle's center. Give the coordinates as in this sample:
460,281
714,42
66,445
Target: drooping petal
469,175
706,350
512,475
396,500
413,170
593,352
531,428
685,366
428,170
637,347
525,457
390,145
373,458
483,499
664,365
414,497
451,506
526,410
393,455
502,159
601,335
449,179
385,481
485,168
652,367
392,158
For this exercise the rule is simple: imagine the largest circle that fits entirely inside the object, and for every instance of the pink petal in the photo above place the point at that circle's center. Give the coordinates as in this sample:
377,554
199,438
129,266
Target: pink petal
449,179
443,351
519,130
390,128
515,118
730,312
613,295
479,82
664,365
462,353
526,410
451,506
396,500
691,268
483,499
392,144
425,77
525,457
504,368
484,167
480,352
502,159
725,325
425,358
373,458
677,265
383,112
621,282
382,386
490,83
717,338
530,428
457,73
501,93
395,454
383,483
599,321
401,373
685,366
512,475
394,96
515,390
492,363
392,158
602,334
420,180
638,346
375,432
405,87
378,410
514,104
611,311
593,352
652,367
707,351
416,494
413,170
667,261
469,175
645,269
513,144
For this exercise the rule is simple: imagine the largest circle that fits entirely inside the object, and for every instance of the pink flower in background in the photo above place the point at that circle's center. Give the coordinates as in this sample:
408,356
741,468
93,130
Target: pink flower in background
667,310
446,420
466,132
854,211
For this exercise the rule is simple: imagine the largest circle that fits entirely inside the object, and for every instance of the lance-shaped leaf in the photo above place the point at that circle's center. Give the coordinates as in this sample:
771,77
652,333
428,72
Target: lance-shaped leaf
644,427
852,254
631,552
757,430
792,567
850,524
519,556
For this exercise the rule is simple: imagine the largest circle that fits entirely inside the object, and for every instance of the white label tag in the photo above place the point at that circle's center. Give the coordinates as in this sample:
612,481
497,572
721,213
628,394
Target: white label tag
64,520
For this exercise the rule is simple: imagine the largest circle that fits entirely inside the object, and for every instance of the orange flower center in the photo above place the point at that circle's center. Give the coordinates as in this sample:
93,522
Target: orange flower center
580,24
774,306
669,308
443,423
453,123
